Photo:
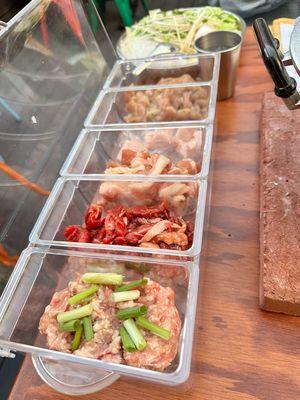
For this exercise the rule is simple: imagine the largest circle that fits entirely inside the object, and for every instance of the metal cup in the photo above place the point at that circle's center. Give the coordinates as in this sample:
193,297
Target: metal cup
228,44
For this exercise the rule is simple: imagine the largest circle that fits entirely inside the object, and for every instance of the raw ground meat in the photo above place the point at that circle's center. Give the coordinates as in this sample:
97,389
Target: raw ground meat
106,344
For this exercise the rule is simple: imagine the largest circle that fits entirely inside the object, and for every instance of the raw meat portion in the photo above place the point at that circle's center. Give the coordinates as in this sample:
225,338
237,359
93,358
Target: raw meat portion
171,104
106,343
139,225
133,162
158,353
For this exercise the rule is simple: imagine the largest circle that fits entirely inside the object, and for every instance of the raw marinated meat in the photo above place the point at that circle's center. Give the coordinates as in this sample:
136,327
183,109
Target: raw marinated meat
168,104
106,342
133,162
138,225
161,310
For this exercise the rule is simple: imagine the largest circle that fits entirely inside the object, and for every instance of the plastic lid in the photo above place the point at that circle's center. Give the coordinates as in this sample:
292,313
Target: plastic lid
71,378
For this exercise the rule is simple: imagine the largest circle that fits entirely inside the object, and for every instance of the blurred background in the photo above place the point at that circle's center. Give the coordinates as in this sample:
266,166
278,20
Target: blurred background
115,26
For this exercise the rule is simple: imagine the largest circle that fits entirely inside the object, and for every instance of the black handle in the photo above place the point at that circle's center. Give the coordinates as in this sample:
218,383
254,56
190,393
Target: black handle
285,85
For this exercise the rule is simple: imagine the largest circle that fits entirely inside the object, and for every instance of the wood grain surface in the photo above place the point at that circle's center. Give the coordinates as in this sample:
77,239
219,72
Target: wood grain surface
240,352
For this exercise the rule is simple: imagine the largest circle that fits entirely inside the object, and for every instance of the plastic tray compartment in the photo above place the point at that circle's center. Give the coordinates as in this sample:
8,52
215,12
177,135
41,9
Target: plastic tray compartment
39,274
177,104
149,71
95,148
70,198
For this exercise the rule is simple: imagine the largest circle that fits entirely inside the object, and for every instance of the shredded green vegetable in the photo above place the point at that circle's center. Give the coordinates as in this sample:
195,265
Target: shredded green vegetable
178,27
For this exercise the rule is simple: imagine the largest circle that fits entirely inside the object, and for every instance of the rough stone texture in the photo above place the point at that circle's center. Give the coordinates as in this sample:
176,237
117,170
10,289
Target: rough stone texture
280,208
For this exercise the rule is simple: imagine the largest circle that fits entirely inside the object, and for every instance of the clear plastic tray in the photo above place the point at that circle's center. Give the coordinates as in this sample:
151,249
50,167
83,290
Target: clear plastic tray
135,106
70,198
149,71
39,274
94,148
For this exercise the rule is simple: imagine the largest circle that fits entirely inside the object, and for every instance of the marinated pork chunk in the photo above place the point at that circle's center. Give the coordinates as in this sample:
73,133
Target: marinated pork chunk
155,227
144,162
187,142
179,196
106,342
174,104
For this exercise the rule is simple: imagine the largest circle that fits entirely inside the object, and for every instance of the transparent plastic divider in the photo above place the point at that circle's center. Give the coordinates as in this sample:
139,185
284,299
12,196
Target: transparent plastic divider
106,98
149,71
109,108
70,198
38,274
94,148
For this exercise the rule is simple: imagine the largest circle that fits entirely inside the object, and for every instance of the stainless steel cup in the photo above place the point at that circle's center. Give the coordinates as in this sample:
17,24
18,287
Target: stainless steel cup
228,44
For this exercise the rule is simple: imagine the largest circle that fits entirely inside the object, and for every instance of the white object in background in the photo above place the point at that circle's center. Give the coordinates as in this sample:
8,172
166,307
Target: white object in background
285,36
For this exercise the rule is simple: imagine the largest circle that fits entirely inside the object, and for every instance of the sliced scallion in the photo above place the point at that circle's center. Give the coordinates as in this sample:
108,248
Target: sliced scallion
77,313
132,285
132,312
88,300
126,296
150,326
77,298
102,278
135,334
88,328
77,337
128,344
69,326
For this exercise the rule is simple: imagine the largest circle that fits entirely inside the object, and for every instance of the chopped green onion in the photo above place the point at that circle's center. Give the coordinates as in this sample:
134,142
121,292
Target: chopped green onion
126,296
135,335
131,285
70,326
150,326
88,328
128,344
77,337
132,312
102,278
77,313
88,300
82,295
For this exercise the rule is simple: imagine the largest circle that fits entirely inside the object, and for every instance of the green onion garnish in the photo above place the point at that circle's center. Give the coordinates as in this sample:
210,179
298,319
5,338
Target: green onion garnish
77,313
88,328
128,344
126,296
88,300
82,295
102,278
70,326
131,285
131,312
77,337
150,326
135,335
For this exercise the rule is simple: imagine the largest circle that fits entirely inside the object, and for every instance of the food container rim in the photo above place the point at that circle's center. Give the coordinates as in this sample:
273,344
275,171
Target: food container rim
162,58
65,170
213,84
42,220
186,338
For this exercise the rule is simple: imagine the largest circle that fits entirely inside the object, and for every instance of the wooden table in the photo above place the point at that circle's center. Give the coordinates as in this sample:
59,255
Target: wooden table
240,352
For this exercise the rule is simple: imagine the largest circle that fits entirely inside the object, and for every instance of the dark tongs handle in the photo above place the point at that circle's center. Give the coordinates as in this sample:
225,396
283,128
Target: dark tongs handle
285,85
